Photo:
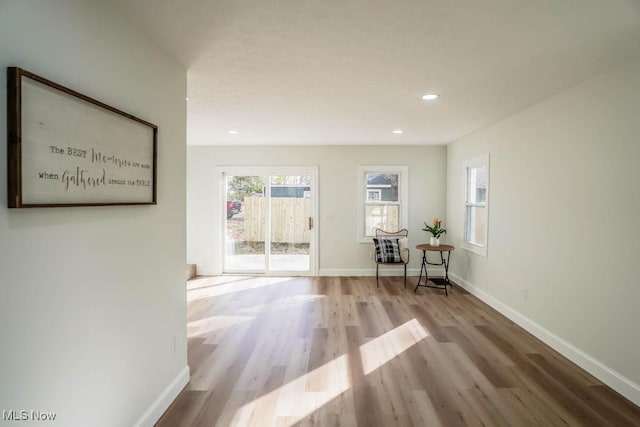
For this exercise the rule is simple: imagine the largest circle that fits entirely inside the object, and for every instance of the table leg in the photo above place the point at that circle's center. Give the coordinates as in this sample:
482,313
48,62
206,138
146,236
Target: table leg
423,267
443,262
446,267
446,271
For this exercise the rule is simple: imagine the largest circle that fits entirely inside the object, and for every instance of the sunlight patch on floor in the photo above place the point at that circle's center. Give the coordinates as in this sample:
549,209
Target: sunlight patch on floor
209,324
293,401
214,287
282,304
382,349
206,281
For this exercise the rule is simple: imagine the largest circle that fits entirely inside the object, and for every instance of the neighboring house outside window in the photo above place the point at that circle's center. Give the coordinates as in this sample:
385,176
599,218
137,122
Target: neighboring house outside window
291,191
383,199
374,195
477,205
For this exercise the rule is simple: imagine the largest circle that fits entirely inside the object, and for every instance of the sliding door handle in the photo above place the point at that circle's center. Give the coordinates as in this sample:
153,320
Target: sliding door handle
310,223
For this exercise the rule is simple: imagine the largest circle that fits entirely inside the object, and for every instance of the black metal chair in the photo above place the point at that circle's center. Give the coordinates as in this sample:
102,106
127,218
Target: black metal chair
403,249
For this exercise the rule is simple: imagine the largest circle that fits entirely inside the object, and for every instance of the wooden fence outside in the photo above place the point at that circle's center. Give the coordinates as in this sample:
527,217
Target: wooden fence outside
289,219
386,217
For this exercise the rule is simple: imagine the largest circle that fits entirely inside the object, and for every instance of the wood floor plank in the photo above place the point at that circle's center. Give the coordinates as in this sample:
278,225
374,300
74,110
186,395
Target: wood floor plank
534,411
349,311
563,393
339,351
420,408
430,324
368,319
316,379
617,402
367,407
481,358
184,410
584,392
397,315
484,408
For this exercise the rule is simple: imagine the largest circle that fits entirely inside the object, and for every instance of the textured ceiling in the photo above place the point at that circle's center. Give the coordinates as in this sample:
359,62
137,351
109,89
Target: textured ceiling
351,71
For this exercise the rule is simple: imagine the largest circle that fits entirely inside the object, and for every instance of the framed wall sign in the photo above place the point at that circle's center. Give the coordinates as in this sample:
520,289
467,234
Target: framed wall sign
67,149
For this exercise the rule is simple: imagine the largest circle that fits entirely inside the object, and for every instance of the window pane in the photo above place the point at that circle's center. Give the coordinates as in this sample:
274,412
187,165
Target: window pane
374,195
244,249
385,184
290,205
386,217
477,184
476,225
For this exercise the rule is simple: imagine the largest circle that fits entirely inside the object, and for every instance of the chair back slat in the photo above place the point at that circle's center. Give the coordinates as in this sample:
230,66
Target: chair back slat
382,233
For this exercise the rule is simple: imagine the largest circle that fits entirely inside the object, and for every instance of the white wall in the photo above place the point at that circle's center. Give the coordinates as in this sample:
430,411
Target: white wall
564,209
91,298
339,251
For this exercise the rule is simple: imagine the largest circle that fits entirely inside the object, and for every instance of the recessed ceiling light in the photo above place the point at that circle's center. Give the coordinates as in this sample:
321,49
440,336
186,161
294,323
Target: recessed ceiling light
430,96
187,98
397,131
233,132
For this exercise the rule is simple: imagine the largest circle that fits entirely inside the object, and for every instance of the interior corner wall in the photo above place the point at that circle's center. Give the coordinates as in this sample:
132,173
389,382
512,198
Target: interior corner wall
339,251
563,220
93,300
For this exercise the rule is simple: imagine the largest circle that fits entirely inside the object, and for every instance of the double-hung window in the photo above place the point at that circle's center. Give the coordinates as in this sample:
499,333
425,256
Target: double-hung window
382,201
477,205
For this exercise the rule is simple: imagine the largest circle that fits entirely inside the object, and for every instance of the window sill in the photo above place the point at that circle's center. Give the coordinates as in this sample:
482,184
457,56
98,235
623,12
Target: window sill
476,249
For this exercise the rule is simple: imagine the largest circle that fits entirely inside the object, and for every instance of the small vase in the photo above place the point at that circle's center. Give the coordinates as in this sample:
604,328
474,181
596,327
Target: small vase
434,241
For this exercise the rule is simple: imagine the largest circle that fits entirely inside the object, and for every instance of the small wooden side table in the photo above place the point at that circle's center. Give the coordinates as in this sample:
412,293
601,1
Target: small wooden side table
425,247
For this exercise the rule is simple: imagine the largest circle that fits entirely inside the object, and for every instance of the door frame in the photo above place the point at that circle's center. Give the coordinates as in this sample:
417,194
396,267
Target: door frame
267,171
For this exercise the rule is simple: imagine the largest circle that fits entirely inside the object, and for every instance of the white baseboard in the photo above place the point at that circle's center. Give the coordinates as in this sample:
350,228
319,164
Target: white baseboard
384,271
610,377
162,402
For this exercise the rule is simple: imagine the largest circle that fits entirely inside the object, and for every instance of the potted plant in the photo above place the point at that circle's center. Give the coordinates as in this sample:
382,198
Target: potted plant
436,230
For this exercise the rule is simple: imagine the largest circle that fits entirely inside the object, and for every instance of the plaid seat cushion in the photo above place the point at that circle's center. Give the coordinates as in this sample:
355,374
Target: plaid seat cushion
387,250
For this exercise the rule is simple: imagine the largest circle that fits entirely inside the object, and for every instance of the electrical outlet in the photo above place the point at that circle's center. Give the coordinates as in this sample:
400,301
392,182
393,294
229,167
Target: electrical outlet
370,255
525,293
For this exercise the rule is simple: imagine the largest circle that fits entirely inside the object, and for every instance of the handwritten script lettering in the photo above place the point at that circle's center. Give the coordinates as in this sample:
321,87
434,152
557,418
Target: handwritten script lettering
101,158
83,178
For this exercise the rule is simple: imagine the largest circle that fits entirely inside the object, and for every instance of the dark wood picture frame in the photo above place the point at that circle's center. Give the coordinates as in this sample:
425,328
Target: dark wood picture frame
114,157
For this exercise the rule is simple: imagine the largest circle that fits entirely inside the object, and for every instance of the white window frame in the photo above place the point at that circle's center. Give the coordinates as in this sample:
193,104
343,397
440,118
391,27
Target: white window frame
474,247
403,196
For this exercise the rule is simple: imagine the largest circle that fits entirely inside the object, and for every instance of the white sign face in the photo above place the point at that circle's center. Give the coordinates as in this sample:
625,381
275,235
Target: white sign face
76,152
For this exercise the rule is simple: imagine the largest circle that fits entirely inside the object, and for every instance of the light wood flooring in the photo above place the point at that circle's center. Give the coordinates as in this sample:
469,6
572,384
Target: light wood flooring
331,351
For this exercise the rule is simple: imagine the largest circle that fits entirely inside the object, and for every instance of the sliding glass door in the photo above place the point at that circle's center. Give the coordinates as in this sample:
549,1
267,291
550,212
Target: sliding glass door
269,221
244,219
